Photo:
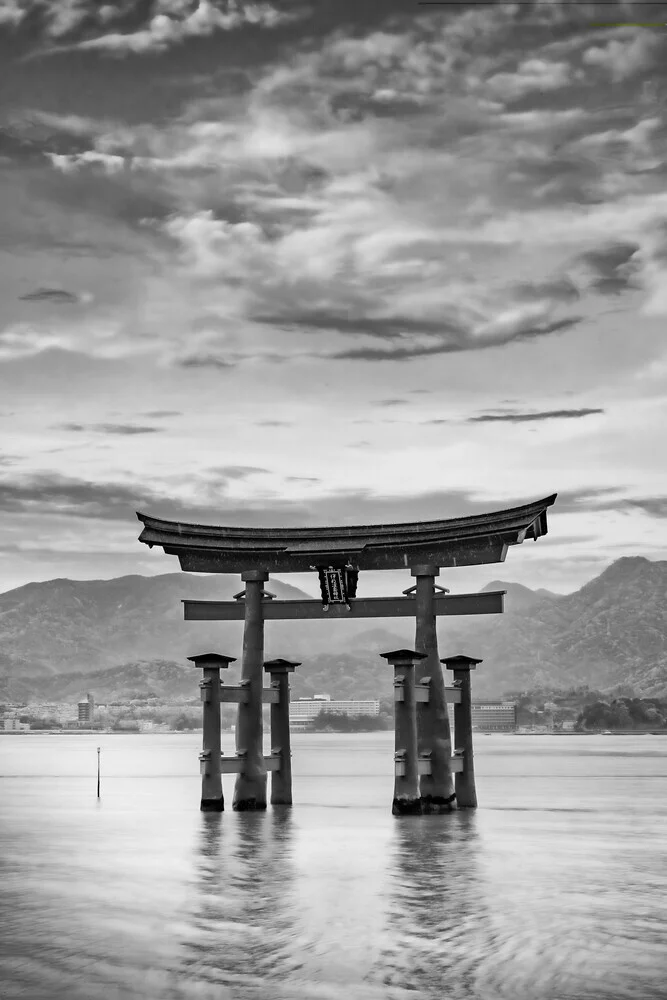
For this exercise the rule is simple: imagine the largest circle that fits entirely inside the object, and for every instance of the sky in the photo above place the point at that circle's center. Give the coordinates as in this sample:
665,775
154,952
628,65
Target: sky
310,262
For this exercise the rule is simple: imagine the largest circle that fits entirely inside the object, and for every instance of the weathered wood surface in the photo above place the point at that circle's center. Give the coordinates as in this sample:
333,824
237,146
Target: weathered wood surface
250,787
456,764
406,799
236,694
234,765
487,603
281,779
212,799
466,792
461,541
434,738
453,695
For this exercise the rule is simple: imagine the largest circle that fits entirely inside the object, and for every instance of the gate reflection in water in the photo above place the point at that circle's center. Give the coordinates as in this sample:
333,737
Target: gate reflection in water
555,888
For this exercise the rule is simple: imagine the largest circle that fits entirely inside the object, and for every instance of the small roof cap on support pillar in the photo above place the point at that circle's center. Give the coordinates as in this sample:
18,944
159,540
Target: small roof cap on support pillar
403,656
280,666
212,660
460,662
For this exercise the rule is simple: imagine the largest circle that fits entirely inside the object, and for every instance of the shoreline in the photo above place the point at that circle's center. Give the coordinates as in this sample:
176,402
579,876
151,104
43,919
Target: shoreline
360,732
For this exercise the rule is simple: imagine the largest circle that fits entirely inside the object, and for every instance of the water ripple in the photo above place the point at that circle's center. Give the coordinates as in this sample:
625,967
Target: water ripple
555,889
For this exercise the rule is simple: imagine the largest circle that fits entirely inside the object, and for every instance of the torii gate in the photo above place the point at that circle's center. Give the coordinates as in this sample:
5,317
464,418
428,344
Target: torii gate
339,554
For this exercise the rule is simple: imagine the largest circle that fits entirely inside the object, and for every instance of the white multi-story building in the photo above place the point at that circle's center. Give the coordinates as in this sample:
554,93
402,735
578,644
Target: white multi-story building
148,726
14,726
494,718
497,717
309,708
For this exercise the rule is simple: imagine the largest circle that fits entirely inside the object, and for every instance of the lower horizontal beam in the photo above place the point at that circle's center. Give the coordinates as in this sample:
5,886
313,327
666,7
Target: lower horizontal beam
453,695
424,766
232,765
487,603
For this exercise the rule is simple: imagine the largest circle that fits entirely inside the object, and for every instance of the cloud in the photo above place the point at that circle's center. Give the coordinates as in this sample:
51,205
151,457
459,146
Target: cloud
127,429
12,12
519,331
236,471
204,361
23,341
58,296
532,74
50,493
122,429
560,289
69,163
175,21
65,16
290,212
653,506
517,417
157,414
612,499
29,142
623,57
613,268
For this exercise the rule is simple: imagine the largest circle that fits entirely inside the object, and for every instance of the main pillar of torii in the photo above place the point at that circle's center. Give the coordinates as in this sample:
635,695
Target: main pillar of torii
433,729
250,787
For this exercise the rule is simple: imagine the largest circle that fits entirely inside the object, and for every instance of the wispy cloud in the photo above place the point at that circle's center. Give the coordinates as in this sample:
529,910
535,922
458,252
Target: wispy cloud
623,57
57,296
613,268
205,361
123,429
164,23
407,350
517,417
653,506
236,471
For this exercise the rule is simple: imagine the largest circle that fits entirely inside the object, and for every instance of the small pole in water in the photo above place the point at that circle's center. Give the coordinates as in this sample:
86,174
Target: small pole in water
98,772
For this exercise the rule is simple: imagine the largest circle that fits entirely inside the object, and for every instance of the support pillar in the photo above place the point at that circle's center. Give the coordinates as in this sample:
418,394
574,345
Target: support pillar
466,794
281,781
434,736
250,787
212,799
407,800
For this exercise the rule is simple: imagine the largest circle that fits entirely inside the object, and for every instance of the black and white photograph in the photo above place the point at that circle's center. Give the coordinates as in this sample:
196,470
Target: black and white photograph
333,500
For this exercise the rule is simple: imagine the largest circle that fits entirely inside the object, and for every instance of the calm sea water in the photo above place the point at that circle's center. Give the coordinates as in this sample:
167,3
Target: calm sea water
555,888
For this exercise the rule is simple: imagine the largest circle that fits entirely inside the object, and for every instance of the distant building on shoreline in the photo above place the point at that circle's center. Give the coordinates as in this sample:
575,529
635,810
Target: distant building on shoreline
14,726
86,709
498,717
302,711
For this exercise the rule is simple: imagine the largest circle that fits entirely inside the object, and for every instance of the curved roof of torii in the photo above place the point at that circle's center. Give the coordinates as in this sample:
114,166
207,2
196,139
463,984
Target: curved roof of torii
458,541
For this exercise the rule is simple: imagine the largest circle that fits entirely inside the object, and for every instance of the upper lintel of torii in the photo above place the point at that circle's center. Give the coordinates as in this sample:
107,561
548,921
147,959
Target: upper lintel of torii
458,541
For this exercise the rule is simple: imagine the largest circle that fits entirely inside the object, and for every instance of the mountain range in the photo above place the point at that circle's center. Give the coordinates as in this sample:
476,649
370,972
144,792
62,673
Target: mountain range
124,636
